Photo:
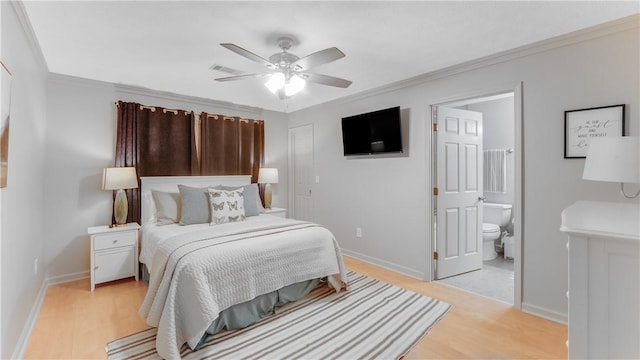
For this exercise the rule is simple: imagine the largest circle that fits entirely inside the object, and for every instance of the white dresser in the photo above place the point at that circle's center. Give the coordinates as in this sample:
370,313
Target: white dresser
604,279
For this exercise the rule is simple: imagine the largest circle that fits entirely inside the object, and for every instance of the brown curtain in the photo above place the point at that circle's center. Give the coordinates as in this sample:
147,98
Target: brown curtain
157,142
231,146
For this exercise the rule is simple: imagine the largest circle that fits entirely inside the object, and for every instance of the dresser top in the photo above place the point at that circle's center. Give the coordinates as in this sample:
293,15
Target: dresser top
603,219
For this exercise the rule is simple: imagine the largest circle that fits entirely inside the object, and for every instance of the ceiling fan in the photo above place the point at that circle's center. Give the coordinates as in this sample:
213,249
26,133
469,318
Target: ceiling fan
287,72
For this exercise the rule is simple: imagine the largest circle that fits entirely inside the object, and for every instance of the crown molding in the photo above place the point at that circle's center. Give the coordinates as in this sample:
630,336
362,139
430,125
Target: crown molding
606,29
21,13
136,90
79,81
142,91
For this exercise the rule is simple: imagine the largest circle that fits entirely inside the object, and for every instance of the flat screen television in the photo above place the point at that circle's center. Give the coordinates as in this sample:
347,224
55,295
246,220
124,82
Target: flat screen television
372,133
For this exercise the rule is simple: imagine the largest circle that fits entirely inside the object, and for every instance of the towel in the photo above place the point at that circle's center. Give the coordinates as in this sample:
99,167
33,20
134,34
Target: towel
495,170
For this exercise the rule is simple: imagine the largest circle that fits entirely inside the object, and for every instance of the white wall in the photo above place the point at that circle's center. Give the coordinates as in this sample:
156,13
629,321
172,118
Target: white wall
389,197
81,142
22,200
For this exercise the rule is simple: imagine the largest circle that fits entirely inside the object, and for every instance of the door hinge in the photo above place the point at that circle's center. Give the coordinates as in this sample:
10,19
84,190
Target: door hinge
435,127
435,191
435,255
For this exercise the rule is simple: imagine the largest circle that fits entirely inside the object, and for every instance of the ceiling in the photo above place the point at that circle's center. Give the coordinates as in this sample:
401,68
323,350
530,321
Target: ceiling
170,46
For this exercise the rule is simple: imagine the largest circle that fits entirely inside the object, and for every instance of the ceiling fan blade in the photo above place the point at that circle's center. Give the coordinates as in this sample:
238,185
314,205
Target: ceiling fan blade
228,70
239,77
326,80
318,58
248,54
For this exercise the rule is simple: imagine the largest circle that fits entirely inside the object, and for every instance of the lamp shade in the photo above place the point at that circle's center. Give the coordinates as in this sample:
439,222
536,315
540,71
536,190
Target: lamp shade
275,82
291,85
119,178
268,176
614,159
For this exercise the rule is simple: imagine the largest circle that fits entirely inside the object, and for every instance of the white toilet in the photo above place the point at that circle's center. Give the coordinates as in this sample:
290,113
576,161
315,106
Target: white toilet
493,217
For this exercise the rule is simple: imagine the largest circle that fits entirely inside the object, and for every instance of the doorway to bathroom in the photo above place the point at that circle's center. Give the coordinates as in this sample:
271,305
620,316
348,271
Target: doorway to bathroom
476,195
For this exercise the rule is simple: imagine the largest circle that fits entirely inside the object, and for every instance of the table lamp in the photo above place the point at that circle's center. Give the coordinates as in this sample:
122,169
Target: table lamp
268,176
614,159
120,178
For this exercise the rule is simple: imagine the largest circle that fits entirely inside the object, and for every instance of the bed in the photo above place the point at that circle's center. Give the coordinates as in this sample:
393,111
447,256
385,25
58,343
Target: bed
201,273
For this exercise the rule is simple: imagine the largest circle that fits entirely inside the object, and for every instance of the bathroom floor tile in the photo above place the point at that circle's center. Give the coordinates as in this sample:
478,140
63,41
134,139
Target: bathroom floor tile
494,280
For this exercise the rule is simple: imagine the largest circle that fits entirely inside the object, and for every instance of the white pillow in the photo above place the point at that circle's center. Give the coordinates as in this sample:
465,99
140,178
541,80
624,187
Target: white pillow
226,205
150,206
168,207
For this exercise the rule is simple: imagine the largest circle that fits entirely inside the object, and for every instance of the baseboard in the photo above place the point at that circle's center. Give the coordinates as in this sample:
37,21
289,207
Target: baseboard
23,341
385,264
526,308
61,279
545,313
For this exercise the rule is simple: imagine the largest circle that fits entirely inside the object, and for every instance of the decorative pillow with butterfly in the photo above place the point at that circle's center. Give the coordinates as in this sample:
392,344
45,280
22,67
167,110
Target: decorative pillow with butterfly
226,205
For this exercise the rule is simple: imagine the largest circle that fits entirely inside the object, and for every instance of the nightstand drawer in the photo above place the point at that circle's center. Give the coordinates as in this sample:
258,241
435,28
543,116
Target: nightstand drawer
109,241
114,264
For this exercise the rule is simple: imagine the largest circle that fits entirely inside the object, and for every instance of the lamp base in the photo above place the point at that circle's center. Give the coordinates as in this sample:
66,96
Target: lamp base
267,196
120,208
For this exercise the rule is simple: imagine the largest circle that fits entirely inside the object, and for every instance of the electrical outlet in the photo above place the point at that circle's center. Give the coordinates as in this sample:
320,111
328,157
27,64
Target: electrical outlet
358,232
35,267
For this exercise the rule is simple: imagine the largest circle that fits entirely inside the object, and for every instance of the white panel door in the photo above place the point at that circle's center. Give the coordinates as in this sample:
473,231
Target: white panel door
300,172
459,183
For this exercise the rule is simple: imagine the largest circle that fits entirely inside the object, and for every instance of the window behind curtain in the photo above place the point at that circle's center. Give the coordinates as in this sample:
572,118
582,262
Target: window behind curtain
162,142
231,146
157,142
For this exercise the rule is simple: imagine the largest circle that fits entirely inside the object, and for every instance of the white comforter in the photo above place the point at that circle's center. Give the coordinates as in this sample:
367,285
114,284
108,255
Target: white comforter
197,272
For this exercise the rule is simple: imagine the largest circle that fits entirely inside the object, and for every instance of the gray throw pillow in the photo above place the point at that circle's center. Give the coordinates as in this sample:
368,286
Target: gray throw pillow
251,198
195,205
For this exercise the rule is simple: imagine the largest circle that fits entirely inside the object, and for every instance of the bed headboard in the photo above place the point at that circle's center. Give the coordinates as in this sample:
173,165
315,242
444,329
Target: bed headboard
170,184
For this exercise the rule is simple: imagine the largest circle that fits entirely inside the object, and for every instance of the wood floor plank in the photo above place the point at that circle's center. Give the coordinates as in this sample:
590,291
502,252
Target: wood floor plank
75,323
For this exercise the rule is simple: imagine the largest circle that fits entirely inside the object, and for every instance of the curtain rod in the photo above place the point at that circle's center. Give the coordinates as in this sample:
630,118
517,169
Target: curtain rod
230,118
197,114
153,108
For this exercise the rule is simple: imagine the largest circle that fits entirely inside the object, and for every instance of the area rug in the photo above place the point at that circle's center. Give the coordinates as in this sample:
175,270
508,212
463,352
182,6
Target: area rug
372,320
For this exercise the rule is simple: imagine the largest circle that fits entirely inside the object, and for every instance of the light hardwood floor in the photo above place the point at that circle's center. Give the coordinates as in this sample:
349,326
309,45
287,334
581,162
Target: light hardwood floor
75,323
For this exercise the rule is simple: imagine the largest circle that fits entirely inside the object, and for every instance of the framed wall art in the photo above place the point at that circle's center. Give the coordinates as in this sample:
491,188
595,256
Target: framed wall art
584,124
5,112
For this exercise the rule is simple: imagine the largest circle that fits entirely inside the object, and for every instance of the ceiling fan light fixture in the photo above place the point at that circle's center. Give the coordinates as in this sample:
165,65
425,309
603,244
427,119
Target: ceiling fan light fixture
294,85
275,82
287,73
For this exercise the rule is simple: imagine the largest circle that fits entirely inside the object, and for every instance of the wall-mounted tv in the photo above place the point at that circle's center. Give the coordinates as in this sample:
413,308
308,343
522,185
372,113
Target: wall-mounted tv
372,133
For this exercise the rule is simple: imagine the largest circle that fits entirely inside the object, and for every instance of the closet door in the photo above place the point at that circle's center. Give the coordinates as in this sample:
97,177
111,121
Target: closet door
301,172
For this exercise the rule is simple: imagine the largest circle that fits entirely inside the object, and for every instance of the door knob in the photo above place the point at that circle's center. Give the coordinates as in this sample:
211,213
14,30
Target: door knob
481,198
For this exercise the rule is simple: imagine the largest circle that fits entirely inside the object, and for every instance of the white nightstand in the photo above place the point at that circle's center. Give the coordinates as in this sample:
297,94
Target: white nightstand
114,253
276,211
